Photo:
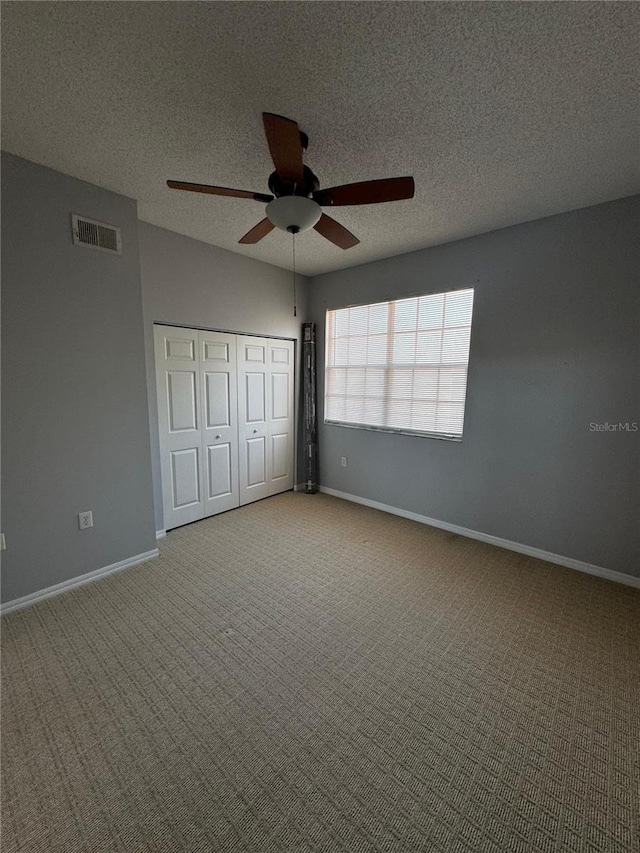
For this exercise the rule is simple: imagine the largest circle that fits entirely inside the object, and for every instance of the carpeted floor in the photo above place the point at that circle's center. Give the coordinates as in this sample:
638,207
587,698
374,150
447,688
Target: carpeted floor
304,674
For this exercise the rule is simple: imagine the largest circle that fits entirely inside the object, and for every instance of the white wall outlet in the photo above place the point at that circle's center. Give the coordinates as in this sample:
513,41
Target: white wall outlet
343,461
85,520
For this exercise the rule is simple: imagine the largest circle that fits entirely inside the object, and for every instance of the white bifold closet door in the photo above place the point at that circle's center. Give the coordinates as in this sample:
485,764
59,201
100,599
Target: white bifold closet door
225,415
265,410
218,385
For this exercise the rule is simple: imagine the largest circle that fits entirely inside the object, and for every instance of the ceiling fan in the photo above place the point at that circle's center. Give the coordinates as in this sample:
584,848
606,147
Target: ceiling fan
297,198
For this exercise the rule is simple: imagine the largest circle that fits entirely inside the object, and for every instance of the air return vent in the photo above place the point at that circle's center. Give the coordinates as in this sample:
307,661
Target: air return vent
96,235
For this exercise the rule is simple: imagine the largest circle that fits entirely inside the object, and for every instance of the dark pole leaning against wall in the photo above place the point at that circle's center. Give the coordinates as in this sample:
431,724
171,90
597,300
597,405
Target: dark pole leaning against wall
309,413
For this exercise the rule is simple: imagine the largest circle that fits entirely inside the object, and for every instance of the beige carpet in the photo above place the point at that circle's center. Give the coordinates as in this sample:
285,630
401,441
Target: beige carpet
305,674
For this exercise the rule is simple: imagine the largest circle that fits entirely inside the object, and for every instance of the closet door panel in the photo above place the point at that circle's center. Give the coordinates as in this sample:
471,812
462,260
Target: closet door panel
280,397
217,399
185,477
182,400
256,461
279,456
220,474
177,380
218,378
280,419
253,389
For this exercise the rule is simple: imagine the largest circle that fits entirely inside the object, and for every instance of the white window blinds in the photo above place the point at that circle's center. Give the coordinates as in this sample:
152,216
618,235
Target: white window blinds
400,365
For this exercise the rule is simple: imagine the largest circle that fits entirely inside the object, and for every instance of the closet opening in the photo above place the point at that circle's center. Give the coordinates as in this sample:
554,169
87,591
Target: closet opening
225,418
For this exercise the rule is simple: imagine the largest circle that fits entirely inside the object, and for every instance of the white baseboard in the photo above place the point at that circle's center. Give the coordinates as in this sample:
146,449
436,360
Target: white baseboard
160,534
81,580
528,550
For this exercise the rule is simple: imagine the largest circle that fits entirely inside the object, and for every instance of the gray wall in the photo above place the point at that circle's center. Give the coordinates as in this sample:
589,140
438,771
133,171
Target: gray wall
75,425
190,283
555,347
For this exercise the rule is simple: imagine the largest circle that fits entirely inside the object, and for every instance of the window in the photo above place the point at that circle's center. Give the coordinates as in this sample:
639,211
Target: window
401,365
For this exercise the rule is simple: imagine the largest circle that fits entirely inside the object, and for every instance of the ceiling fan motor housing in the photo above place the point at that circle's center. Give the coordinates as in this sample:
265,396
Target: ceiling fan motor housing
280,186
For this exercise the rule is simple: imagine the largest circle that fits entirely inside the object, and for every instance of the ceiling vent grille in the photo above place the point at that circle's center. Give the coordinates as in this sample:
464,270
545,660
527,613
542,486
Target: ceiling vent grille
96,235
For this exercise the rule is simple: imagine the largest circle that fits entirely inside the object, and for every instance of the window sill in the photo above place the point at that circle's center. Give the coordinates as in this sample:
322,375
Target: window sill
415,433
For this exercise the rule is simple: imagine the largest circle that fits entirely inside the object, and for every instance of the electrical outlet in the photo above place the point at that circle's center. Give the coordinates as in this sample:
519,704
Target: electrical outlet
343,461
85,520
3,542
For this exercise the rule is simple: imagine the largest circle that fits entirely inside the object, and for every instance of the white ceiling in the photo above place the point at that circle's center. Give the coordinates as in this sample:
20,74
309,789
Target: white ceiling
503,112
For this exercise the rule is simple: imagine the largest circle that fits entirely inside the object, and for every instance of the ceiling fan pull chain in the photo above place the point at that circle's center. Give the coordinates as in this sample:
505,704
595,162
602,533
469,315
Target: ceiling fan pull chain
294,275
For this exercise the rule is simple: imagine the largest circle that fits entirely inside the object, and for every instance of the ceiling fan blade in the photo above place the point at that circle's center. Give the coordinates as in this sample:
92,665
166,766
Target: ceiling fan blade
283,138
258,232
367,192
207,188
335,232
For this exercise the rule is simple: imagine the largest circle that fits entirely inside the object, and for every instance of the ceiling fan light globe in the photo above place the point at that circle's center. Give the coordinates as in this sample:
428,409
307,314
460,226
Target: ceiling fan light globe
293,212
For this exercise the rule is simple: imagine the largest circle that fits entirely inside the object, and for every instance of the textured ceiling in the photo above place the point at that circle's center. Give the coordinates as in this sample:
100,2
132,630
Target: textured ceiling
503,112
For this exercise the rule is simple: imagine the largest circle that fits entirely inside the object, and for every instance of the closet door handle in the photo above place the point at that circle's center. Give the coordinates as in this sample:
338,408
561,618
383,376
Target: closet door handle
255,431
218,436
